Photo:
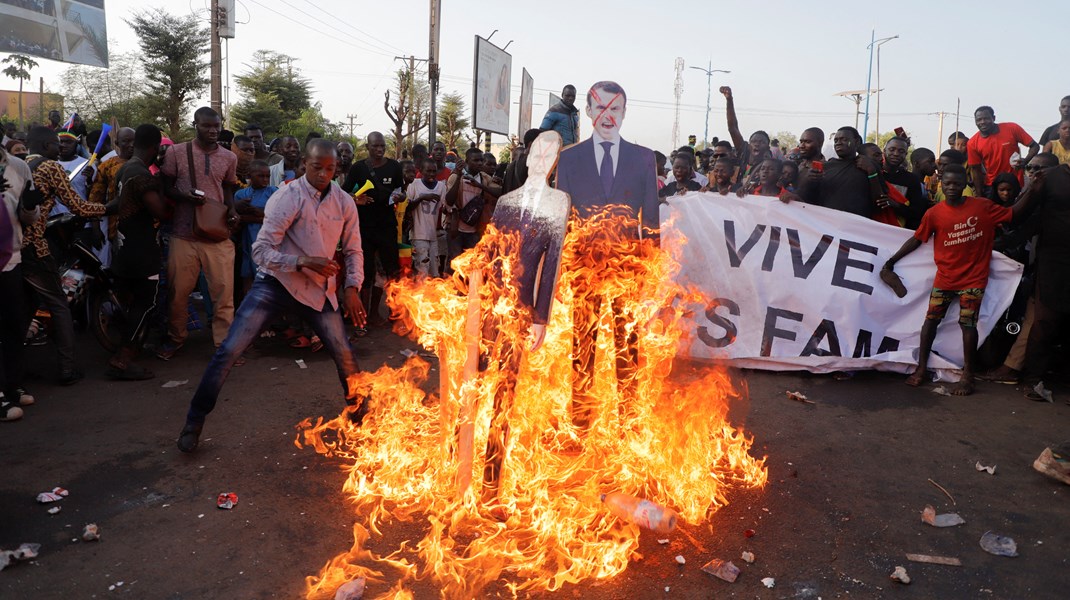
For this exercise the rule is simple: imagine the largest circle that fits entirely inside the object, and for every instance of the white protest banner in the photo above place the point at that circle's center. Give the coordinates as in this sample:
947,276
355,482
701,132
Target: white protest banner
796,286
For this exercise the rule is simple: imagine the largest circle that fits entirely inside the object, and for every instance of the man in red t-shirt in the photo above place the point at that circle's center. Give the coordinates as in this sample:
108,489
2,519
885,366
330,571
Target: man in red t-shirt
963,229
992,147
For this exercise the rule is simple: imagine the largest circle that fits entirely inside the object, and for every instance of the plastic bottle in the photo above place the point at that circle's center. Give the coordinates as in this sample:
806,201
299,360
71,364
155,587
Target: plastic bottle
643,513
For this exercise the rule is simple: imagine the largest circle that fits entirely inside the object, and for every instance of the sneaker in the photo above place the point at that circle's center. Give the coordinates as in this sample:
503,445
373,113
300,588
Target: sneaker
25,399
189,437
1052,465
70,376
167,350
9,412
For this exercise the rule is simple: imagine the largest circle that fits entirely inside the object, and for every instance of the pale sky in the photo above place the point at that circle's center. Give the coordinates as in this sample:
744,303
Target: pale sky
787,58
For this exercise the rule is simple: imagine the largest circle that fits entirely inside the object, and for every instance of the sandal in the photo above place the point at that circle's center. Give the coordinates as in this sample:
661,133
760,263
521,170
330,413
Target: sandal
300,341
315,344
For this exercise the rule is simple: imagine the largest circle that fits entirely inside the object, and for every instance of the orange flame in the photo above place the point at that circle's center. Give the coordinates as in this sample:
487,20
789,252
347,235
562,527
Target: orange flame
418,453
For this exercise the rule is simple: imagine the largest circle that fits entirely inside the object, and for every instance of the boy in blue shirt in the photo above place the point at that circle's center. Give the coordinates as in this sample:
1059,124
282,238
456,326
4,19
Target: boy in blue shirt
250,202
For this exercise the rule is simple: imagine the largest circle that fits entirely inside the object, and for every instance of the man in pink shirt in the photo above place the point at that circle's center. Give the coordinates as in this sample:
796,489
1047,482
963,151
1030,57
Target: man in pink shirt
195,173
303,224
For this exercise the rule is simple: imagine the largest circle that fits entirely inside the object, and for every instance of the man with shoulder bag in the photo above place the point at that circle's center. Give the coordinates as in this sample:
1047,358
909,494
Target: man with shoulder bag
199,176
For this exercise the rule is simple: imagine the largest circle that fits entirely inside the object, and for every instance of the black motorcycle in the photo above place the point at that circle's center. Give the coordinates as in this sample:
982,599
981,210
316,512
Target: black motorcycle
88,284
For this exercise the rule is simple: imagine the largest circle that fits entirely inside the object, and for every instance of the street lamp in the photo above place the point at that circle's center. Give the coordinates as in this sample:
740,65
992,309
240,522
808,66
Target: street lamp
877,123
869,78
709,71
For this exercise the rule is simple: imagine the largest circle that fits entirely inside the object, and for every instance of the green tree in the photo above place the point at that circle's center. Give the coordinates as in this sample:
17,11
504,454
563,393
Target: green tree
118,92
451,119
883,139
312,119
172,51
274,94
788,140
19,68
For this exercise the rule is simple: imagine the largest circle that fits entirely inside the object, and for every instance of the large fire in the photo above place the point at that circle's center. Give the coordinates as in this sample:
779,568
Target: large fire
421,455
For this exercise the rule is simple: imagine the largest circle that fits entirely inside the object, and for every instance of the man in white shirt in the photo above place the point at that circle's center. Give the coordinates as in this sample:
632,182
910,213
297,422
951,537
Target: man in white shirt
303,224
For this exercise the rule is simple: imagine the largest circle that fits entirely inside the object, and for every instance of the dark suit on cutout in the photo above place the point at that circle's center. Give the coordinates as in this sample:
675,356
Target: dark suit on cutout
635,183
635,187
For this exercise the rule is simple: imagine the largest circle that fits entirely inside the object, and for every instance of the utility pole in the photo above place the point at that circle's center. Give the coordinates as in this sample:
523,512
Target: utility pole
351,124
412,92
877,125
216,60
709,71
678,91
874,42
432,68
940,133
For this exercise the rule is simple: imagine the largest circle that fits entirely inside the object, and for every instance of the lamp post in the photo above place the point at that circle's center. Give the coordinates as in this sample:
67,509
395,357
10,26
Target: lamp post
869,78
709,71
877,123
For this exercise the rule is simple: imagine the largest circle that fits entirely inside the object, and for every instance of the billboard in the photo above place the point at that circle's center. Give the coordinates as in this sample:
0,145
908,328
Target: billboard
527,91
491,92
65,30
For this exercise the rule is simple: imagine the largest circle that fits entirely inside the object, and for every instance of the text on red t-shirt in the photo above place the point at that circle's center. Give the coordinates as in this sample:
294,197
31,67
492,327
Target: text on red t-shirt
962,245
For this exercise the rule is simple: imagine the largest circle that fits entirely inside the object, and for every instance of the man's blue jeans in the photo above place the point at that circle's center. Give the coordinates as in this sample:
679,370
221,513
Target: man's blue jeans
266,300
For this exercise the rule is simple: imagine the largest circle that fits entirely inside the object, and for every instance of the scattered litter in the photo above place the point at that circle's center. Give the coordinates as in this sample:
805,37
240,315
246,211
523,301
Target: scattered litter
900,575
928,515
408,353
226,500
663,542
667,588
768,582
175,383
722,570
301,363
991,470
1053,465
999,545
57,493
1043,393
273,369
748,557
934,560
23,552
351,590
946,493
200,516
91,533
54,510
943,391
749,533
799,397
680,559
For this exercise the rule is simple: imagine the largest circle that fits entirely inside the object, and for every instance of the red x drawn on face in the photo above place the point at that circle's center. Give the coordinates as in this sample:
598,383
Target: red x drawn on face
607,106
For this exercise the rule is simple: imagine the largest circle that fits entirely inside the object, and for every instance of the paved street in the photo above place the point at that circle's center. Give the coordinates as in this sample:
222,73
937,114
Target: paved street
848,480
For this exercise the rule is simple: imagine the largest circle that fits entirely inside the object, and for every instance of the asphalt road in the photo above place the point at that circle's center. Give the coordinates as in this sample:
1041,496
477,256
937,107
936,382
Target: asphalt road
849,477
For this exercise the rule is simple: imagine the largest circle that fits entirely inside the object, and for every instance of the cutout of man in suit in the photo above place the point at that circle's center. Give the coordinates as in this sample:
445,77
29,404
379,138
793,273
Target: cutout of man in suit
605,170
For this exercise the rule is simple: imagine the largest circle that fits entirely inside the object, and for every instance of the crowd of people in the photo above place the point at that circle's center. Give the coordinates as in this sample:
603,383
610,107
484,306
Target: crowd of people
227,215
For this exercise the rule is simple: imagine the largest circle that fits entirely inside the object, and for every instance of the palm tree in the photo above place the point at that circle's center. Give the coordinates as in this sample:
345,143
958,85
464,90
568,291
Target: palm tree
19,68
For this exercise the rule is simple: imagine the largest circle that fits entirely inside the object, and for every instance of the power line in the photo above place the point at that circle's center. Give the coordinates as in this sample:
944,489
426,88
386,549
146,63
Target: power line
318,31
358,30
367,47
